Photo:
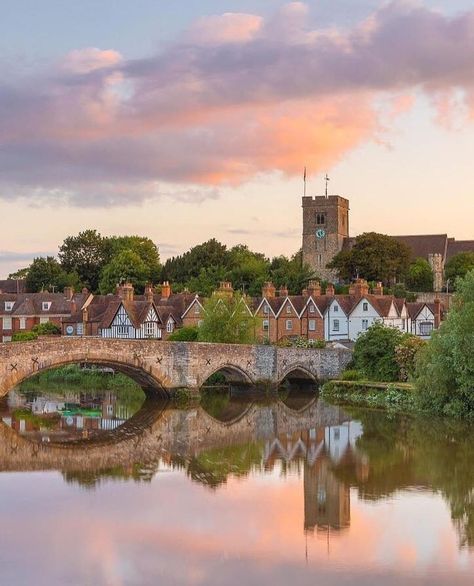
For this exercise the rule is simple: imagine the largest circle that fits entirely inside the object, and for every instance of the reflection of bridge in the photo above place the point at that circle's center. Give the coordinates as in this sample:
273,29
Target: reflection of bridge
165,366
156,430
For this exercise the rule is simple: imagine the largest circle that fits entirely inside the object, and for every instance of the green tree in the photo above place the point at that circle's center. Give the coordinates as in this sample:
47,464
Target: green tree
207,281
186,334
127,266
46,274
227,321
445,371
247,270
375,257
180,269
458,266
420,276
19,274
141,245
374,353
406,355
291,272
86,255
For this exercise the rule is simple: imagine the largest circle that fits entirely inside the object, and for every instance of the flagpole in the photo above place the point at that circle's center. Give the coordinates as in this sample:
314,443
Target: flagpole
304,182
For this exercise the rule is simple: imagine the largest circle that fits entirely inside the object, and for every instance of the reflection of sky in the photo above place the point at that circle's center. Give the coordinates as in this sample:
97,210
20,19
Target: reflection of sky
250,531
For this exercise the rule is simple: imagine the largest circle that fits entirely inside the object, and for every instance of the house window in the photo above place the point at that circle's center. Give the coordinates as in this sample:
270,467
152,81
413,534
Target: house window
150,329
122,331
288,309
265,325
311,309
365,307
7,323
46,305
9,305
289,324
170,326
426,327
336,308
197,309
7,338
266,309
365,324
44,319
158,334
22,323
320,219
335,325
312,325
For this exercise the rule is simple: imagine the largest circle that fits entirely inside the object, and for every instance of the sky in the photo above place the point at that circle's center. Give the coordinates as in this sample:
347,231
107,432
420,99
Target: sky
183,121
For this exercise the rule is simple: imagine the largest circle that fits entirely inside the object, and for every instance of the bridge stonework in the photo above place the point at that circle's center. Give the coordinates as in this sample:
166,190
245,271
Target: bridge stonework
167,366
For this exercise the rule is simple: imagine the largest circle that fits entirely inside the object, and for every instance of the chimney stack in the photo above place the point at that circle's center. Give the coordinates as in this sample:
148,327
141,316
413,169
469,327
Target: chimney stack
314,288
69,293
330,291
268,290
437,312
149,292
125,291
359,288
225,289
283,292
378,289
165,290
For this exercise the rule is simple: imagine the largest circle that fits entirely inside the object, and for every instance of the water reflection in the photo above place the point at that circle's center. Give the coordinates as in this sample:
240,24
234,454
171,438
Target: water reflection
274,478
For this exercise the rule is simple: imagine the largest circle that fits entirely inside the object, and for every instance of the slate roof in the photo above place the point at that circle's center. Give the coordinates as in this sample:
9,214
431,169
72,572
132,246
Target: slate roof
457,246
31,304
420,245
12,286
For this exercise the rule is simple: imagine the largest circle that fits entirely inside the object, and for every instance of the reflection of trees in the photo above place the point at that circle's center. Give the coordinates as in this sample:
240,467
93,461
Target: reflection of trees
418,452
91,479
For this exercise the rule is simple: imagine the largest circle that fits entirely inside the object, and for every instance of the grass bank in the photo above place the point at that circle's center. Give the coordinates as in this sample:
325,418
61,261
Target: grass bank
395,397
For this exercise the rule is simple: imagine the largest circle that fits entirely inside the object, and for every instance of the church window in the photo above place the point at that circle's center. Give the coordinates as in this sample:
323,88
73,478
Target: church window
320,219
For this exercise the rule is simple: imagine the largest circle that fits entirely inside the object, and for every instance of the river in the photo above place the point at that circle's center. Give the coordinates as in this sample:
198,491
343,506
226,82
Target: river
99,489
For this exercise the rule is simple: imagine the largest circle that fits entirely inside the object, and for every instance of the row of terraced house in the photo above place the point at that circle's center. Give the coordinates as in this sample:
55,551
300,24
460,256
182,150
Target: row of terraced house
312,314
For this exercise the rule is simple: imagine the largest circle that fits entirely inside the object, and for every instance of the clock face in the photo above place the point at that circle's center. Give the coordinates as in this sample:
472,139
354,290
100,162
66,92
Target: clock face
320,233
69,330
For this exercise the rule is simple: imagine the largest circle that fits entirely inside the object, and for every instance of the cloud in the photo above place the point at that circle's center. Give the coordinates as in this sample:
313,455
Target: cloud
235,96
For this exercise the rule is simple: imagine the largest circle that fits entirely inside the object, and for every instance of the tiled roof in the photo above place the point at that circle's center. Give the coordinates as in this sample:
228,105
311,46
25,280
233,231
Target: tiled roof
457,246
12,286
31,304
420,245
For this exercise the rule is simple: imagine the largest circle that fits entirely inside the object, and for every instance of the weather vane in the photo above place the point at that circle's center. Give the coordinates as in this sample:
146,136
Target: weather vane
327,181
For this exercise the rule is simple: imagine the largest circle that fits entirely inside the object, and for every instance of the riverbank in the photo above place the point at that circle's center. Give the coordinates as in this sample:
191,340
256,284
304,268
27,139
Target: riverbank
395,397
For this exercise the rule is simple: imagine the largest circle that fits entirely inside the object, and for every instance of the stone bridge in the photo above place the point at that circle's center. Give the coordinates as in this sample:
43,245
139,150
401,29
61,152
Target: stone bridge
161,367
158,431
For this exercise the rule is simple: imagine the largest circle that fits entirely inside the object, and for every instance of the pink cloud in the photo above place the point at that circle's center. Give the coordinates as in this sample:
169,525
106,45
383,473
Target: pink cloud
234,97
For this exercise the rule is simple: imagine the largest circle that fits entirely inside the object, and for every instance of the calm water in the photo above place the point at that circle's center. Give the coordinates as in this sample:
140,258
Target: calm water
97,491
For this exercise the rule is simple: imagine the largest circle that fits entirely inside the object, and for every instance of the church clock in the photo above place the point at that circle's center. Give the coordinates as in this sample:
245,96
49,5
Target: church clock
320,233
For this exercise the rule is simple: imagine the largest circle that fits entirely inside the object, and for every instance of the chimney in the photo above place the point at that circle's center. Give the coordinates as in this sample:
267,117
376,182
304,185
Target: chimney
149,292
225,289
314,288
437,312
378,289
283,292
85,291
85,316
125,291
305,292
268,290
165,290
69,293
73,307
360,288
330,292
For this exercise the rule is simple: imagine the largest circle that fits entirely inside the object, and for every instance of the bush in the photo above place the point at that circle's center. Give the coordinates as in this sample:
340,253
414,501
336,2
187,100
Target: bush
406,355
24,336
186,334
47,329
351,375
374,353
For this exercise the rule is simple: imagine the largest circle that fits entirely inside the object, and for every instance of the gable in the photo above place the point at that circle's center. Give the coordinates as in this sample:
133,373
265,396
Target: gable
121,318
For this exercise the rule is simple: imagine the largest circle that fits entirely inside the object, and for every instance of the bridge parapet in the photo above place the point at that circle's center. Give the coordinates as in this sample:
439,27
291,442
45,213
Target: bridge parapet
159,365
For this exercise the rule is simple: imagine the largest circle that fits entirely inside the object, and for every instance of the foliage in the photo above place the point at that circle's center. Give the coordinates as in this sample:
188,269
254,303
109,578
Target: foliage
375,257
301,342
390,397
420,276
46,274
186,334
458,266
292,273
247,270
207,280
227,320
19,274
351,375
400,292
406,355
47,329
374,353
24,336
144,247
86,255
126,266
445,371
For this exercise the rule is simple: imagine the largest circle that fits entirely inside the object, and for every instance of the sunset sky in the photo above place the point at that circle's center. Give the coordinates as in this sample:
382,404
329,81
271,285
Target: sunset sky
187,120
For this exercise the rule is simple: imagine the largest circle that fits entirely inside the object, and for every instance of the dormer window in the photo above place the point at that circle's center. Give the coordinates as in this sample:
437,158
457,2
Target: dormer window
311,309
288,309
320,219
46,305
365,307
336,308
266,309
9,305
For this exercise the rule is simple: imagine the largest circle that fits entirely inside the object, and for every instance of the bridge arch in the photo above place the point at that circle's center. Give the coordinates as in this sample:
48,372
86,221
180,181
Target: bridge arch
232,373
297,372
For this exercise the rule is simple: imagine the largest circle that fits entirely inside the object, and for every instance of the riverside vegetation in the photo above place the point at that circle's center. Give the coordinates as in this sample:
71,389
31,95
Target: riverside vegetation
399,372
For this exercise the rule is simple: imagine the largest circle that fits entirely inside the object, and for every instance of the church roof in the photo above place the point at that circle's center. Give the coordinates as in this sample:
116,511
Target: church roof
457,246
423,245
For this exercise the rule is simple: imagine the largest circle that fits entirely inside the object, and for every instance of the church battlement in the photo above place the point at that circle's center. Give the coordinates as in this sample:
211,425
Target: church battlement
309,200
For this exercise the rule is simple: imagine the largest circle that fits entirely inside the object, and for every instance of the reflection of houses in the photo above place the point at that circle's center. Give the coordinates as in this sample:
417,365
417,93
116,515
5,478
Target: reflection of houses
326,498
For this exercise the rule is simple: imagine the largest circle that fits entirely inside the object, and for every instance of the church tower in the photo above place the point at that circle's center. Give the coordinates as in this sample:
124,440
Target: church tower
325,226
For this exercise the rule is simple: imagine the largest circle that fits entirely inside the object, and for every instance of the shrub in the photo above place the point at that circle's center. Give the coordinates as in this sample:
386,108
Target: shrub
47,329
351,375
24,336
186,334
406,355
374,353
